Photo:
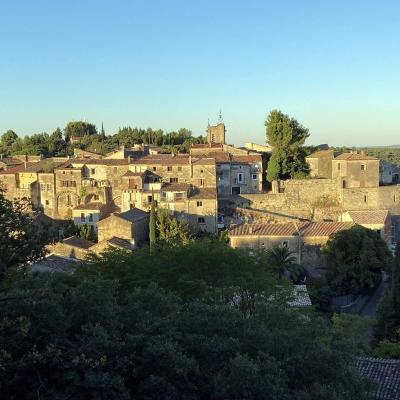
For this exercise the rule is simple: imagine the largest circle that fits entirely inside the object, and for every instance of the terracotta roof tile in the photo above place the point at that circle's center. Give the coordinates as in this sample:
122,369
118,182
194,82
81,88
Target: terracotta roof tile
366,217
384,373
175,187
321,153
354,157
102,161
77,241
89,206
308,229
203,193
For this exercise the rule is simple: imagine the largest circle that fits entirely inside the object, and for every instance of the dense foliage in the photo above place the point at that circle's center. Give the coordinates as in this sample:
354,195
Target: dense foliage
107,332
387,332
355,259
287,137
22,239
59,142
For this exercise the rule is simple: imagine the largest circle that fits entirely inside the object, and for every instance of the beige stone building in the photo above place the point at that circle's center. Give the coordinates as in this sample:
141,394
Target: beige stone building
320,164
131,225
303,239
377,220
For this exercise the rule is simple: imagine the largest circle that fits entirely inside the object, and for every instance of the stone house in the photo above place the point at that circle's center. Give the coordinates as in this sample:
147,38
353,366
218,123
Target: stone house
89,214
131,225
73,247
198,206
376,220
303,239
320,164
355,170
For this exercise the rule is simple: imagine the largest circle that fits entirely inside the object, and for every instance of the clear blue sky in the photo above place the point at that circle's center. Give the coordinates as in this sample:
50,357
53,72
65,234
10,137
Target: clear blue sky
334,66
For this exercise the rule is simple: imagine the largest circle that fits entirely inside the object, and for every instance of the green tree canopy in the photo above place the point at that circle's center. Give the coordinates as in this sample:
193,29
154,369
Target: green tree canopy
79,128
8,138
286,135
355,259
65,336
21,239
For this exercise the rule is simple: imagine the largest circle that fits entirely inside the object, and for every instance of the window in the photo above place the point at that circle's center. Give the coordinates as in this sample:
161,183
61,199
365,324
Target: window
240,177
173,180
235,189
338,166
199,204
154,168
83,219
179,168
90,217
202,182
96,197
115,170
68,200
363,167
47,202
240,166
169,169
201,171
49,187
42,187
254,177
365,198
262,244
201,220
92,171
285,244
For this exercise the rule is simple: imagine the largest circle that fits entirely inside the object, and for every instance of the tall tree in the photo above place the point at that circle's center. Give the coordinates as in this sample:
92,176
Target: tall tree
355,259
20,238
286,135
79,128
152,224
388,313
8,138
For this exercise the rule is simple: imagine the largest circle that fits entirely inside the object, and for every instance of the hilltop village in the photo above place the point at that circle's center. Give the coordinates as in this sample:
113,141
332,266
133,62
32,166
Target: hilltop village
213,187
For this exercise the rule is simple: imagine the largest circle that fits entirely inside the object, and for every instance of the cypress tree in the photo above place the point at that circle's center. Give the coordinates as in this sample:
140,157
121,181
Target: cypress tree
152,224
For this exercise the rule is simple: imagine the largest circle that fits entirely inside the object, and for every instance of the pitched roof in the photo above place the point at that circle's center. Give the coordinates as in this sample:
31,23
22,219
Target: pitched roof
307,229
354,157
288,229
100,161
225,157
301,298
321,153
118,242
132,215
77,241
366,217
131,173
14,170
317,229
385,373
169,159
90,206
203,193
175,187
11,161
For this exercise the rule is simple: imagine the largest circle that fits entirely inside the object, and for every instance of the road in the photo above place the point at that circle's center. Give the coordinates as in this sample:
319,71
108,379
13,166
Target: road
370,306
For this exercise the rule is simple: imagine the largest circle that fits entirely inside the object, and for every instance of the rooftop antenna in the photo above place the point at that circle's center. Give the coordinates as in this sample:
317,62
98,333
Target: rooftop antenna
220,119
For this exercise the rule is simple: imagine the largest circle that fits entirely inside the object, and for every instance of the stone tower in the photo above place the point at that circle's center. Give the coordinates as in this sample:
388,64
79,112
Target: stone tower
216,133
